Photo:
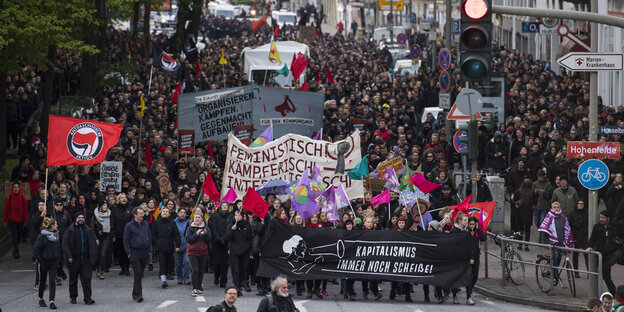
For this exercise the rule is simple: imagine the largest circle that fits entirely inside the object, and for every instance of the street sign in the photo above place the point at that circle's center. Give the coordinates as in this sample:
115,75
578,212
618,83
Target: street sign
424,24
530,27
413,18
588,61
456,143
401,38
455,114
598,150
469,101
455,27
445,81
612,130
444,100
432,36
415,51
593,174
433,25
444,58
384,5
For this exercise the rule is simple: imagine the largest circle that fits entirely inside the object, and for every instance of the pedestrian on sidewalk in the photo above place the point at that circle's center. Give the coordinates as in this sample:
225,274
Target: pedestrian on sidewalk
618,301
80,251
137,242
578,222
47,252
604,240
15,215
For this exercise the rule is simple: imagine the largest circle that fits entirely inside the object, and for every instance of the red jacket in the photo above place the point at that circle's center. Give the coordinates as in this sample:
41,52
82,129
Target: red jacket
15,208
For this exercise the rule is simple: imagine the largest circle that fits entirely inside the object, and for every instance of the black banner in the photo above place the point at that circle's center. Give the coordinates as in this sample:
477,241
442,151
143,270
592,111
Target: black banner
432,258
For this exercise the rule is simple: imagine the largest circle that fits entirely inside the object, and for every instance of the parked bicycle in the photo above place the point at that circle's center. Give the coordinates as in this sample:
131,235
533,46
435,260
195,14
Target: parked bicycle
512,262
544,273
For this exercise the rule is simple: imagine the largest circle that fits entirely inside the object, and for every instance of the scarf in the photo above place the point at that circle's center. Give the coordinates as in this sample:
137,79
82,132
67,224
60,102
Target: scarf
548,227
104,219
52,236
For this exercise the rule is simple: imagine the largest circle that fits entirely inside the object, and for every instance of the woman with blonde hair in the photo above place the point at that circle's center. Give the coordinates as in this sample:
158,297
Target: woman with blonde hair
47,252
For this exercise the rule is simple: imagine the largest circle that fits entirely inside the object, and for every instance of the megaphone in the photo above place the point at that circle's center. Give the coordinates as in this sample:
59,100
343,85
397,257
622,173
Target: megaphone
337,249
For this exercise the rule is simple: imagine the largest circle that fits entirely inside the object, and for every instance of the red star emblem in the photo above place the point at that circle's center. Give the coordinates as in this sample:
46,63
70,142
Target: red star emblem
579,62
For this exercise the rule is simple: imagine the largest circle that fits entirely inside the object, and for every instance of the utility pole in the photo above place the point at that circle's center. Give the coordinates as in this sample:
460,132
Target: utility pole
435,22
448,124
593,137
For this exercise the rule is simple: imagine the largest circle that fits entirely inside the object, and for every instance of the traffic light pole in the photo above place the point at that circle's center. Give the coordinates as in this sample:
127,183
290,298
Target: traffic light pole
448,124
473,165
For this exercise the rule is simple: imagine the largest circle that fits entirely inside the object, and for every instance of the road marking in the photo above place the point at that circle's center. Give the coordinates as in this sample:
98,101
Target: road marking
202,309
166,304
22,271
488,302
200,299
299,305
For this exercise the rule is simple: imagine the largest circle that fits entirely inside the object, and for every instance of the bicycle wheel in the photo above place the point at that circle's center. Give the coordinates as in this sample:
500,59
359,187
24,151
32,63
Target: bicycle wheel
543,275
515,270
571,278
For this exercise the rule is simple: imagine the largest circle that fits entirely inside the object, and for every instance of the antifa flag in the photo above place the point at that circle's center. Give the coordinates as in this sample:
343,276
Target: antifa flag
431,258
164,61
190,49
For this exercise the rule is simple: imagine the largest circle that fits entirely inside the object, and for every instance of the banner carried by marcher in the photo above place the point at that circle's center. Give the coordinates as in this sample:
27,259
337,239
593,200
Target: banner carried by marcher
213,114
431,258
110,174
287,157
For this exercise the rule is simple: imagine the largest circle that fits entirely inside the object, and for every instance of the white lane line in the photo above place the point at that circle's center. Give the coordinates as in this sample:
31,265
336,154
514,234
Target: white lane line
166,304
22,271
299,305
200,299
488,302
202,309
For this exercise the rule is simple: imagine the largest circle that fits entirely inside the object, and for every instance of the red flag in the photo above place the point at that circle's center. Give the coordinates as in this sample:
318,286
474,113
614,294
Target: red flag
316,33
276,32
484,212
148,155
210,151
330,77
74,141
463,206
318,77
382,198
298,65
255,204
198,68
255,25
210,189
419,181
178,90
304,86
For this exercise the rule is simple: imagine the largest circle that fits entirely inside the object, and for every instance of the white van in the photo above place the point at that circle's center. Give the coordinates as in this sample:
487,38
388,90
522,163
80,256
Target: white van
284,17
223,9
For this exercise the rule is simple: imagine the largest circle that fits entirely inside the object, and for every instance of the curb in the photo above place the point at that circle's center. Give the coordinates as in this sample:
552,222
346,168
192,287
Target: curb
536,302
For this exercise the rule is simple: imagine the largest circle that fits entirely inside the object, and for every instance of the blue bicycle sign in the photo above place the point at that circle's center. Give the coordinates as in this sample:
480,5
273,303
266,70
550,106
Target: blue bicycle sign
593,174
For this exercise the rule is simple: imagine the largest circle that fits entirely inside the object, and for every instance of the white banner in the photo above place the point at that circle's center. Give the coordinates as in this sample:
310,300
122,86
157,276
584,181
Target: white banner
110,174
286,158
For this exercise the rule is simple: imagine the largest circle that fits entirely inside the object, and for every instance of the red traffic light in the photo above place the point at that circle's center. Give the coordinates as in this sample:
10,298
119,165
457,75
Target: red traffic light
476,9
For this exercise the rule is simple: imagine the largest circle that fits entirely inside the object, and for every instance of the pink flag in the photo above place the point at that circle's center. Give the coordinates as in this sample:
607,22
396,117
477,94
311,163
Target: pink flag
382,198
422,184
319,135
230,196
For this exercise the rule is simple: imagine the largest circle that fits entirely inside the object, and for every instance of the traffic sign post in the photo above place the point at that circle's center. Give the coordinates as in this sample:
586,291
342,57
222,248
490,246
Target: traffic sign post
415,51
593,174
444,58
401,38
598,150
469,101
444,100
445,81
413,18
457,144
530,27
590,61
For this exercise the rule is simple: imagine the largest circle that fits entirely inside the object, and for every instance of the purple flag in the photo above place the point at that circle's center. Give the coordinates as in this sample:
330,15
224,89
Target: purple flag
319,135
264,138
302,200
328,204
342,200
316,174
392,182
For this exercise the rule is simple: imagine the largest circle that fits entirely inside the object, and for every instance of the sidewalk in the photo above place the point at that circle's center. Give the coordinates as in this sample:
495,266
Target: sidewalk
528,293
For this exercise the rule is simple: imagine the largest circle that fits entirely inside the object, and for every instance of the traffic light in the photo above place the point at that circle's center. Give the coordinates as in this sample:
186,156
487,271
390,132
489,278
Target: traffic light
490,127
475,41
472,139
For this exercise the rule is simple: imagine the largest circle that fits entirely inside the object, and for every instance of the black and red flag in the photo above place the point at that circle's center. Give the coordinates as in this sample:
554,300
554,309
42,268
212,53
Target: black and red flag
190,49
74,141
164,61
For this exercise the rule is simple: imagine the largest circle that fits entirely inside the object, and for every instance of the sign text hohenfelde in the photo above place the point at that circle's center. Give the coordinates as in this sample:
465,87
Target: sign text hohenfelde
599,150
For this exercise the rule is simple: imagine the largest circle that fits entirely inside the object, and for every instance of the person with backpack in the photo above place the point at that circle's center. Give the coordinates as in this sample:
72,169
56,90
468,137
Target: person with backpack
15,215
279,300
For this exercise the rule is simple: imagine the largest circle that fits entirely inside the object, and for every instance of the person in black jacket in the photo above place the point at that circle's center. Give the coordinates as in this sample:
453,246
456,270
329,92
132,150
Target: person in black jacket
578,223
47,252
239,241
219,224
279,299
476,237
137,243
460,225
63,220
165,234
258,229
122,214
80,251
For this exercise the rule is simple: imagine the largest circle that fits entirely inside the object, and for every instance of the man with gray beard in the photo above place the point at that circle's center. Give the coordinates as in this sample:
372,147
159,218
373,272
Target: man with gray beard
279,300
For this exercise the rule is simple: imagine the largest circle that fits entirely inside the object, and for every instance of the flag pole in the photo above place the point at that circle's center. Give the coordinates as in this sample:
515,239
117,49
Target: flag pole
139,147
421,219
45,198
349,201
149,86
199,198
389,215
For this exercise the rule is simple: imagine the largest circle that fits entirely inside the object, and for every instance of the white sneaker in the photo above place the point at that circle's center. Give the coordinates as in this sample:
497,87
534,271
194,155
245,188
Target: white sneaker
199,292
194,293
455,300
469,301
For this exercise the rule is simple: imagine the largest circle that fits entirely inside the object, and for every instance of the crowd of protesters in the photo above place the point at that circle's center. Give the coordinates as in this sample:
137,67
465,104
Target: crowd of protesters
544,110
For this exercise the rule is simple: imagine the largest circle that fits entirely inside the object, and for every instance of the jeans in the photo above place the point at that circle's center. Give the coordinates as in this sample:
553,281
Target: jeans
556,259
181,265
539,216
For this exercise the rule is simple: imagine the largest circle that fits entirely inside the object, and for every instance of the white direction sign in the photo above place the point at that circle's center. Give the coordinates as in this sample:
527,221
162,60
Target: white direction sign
444,100
592,61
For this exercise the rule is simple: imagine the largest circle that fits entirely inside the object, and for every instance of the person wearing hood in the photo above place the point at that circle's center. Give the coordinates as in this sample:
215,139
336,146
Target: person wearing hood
496,152
104,228
15,215
122,214
63,220
219,224
47,252
166,237
80,252
239,244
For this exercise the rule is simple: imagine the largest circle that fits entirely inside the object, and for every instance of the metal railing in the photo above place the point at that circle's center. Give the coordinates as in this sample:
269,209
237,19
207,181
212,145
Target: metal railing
501,257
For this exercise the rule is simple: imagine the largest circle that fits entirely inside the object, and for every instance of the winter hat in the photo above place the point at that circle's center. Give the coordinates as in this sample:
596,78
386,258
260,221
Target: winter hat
434,224
78,214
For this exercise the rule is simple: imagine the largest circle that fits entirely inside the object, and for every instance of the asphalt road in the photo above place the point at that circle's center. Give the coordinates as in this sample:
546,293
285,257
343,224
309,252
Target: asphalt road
114,294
